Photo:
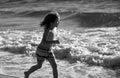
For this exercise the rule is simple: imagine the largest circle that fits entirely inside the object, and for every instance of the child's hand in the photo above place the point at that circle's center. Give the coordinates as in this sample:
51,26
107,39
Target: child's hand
58,42
34,44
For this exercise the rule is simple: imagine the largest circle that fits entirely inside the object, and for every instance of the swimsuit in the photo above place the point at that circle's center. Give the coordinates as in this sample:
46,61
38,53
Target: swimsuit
44,48
43,54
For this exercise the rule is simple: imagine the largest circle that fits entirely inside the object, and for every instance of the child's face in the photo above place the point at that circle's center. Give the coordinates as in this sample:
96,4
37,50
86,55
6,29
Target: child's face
56,23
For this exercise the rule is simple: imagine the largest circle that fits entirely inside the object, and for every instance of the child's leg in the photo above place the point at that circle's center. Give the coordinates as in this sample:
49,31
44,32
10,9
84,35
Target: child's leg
54,66
35,67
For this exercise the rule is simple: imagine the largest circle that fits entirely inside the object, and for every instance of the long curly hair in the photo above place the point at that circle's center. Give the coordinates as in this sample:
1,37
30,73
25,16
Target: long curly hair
49,18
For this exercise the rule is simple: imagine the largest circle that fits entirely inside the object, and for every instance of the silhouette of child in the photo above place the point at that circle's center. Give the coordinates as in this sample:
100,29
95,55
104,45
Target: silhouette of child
44,52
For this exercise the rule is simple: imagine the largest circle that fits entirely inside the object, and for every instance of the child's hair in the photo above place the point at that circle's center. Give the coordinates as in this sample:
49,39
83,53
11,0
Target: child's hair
49,18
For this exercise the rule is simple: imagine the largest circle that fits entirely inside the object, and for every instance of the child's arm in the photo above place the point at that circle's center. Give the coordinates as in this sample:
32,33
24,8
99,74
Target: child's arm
34,44
54,42
50,39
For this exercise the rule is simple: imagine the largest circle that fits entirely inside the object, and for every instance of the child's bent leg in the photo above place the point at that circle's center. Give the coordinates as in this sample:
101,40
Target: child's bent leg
54,66
34,68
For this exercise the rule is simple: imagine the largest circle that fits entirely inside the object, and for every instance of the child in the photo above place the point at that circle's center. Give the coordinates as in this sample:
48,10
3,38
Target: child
44,52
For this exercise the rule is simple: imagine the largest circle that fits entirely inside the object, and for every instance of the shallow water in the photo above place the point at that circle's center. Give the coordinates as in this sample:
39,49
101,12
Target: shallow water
95,50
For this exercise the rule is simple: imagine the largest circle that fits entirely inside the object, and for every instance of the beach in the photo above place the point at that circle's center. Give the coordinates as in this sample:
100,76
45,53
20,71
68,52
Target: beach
88,33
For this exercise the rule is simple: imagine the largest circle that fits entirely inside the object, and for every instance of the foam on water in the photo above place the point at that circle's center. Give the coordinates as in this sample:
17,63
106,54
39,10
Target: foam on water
93,47
89,46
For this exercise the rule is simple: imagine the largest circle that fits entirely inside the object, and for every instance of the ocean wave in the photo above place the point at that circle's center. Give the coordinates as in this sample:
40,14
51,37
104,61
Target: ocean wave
27,1
100,49
96,19
81,19
32,13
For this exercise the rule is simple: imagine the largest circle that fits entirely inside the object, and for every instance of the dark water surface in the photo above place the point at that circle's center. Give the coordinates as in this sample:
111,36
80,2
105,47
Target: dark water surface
30,20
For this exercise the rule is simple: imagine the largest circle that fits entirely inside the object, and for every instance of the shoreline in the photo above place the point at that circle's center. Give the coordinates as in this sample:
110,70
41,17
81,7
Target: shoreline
90,50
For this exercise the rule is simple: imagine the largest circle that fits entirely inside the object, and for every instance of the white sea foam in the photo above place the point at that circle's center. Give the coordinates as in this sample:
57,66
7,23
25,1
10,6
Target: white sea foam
85,47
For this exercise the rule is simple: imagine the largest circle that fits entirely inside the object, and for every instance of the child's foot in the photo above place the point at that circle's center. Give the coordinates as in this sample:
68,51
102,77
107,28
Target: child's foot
26,75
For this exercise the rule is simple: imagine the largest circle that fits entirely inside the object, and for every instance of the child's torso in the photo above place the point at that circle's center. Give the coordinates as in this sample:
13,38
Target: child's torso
49,35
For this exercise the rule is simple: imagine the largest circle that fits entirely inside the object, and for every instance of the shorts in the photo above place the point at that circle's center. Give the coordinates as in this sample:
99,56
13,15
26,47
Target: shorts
42,54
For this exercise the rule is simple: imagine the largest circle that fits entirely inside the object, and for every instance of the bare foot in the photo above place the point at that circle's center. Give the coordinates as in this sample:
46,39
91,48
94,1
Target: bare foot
26,74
